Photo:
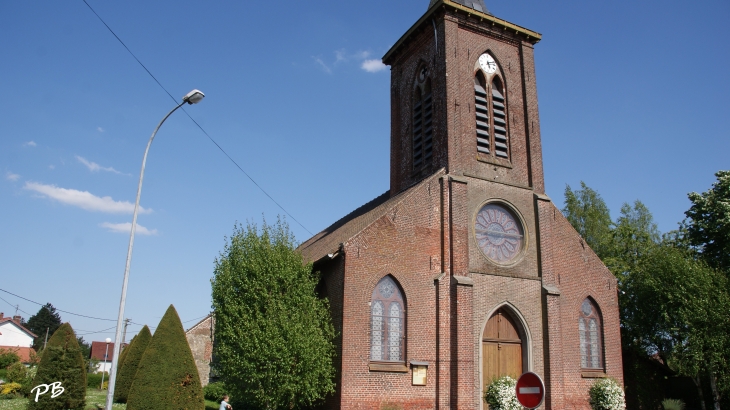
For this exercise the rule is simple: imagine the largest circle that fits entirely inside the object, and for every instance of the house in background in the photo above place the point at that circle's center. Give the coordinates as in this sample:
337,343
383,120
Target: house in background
98,352
200,339
15,337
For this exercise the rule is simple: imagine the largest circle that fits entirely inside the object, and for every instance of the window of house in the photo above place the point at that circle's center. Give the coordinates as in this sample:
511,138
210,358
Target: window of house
590,331
387,322
490,110
422,121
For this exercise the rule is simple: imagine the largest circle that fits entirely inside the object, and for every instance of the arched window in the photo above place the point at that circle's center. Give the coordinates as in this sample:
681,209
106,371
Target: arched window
590,330
490,109
422,121
387,322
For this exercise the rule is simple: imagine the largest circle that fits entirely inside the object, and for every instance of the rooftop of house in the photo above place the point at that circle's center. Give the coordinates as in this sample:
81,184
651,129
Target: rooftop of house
98,349
17,321
24,353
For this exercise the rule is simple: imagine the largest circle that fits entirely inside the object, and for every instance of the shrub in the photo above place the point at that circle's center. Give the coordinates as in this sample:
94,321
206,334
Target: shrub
606,394
8,357
673,404
10,388
214,391
129,364
93,380
167,377
501,394
61,362
17,373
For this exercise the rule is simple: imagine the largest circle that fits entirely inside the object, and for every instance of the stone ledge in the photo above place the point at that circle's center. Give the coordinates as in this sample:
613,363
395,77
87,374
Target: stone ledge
590,374
388,367
463,280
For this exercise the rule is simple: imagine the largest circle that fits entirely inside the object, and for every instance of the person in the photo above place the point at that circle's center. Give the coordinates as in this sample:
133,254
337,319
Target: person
224,403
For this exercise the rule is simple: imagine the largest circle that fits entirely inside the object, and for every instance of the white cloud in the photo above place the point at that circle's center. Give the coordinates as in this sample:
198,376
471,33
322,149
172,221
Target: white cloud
373,66
127,227
83,199
94,167
11,177
322,65
30,144
100,129
51,166
340,56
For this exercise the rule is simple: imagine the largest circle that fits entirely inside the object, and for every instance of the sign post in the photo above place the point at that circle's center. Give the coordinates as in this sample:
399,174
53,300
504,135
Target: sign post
530,390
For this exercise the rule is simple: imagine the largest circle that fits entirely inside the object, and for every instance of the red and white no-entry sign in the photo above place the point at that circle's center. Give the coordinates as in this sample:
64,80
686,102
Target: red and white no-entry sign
530,390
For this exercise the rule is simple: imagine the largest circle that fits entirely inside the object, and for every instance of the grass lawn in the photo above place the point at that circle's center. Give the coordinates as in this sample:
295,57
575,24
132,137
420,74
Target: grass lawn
93,397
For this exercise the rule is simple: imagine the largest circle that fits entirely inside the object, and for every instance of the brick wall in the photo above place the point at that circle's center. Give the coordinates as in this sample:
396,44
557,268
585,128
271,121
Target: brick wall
200,340
572,268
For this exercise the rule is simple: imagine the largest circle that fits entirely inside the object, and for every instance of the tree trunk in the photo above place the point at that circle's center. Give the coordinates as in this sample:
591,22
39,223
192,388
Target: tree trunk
715,393
696,380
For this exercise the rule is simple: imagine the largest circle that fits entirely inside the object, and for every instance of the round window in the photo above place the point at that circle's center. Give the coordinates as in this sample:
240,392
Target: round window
499,233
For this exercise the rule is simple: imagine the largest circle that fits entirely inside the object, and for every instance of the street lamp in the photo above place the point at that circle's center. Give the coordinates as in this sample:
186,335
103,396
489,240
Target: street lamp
193,97
106,356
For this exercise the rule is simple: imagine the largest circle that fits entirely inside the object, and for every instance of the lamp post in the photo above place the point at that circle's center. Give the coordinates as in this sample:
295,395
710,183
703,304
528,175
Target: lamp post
106,356
193,97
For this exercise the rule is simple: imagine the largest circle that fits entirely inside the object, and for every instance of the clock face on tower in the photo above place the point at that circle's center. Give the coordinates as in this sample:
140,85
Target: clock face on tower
487,63
499,233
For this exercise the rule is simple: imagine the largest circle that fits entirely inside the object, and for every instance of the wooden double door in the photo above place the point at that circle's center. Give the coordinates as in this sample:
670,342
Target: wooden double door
501,348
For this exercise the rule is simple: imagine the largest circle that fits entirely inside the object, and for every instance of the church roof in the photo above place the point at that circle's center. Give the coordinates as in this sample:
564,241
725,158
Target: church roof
328,241
477,5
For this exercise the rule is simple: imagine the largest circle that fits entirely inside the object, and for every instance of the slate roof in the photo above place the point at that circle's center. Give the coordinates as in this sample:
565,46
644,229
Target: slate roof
328,241
477,5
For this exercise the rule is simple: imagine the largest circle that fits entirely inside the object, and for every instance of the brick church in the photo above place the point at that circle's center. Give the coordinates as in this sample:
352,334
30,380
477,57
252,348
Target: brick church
464,270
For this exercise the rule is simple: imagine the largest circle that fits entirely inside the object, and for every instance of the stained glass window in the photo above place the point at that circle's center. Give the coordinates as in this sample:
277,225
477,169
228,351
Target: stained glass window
589,329
387,322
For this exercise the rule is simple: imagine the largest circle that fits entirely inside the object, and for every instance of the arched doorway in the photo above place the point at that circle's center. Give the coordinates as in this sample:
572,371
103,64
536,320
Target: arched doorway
502,345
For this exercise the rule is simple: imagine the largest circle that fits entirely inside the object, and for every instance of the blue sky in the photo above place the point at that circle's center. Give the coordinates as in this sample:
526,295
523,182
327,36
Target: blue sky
633,101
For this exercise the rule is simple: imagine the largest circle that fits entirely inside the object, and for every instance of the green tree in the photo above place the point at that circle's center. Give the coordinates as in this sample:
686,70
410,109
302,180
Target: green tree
166,378
61,362
634,233
708,222
274,336
129,363
678,307
46,319
589,215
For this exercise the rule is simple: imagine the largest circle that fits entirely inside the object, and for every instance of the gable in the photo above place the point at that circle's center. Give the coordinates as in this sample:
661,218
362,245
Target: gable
329,240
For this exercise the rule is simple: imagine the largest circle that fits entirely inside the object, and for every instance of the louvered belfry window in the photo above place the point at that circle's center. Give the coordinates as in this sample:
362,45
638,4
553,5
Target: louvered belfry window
422,122
590,334
481,110
490,112
387,322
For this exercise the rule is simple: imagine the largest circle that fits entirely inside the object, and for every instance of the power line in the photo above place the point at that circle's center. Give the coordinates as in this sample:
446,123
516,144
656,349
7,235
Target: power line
193,120
64,311
15,306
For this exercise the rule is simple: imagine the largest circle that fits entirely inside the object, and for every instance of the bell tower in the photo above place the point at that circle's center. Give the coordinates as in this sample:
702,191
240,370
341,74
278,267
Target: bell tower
464,98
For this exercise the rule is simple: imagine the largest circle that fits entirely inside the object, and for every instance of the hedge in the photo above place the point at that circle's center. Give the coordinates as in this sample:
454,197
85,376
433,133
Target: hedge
129,364
167,378
61,362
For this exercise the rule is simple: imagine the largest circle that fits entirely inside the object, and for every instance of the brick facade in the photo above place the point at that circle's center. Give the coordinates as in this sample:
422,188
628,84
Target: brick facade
421,232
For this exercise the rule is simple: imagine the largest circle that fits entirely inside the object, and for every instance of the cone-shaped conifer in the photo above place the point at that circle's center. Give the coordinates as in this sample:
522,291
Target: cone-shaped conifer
167,378
129,363
61,362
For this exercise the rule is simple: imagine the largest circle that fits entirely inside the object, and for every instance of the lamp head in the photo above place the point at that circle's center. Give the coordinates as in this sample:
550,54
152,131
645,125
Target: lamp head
194,97
108,340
